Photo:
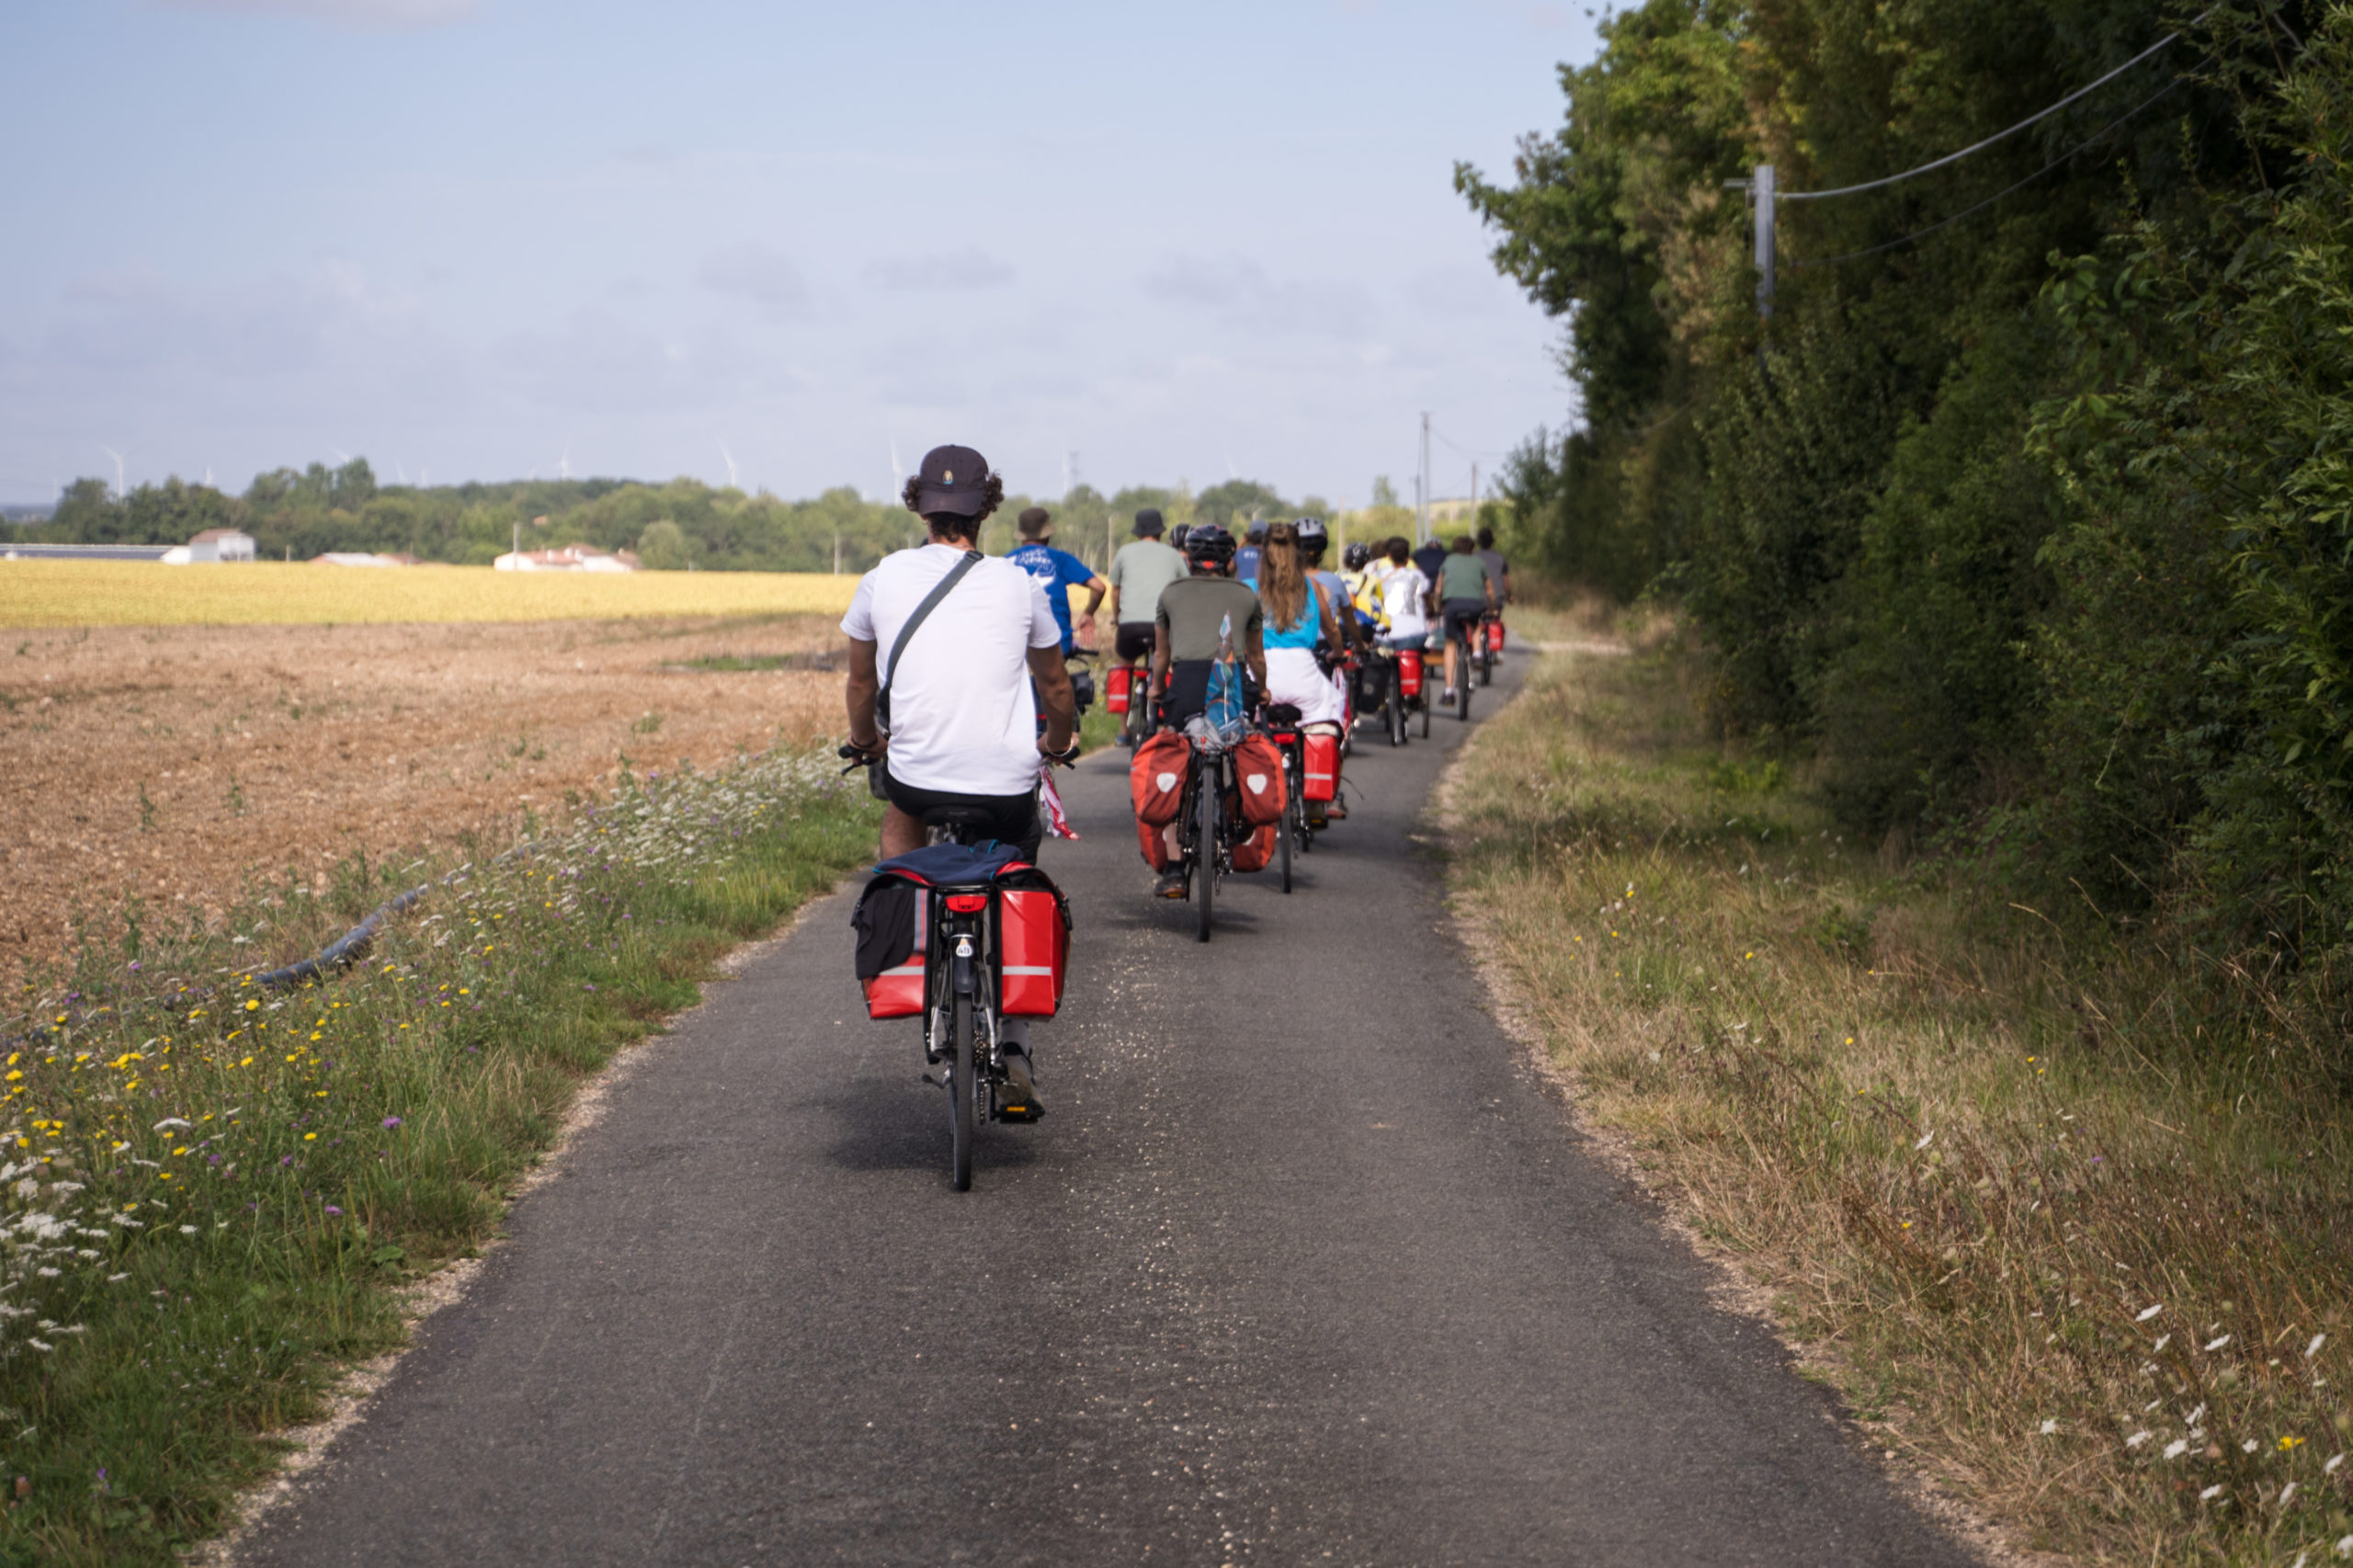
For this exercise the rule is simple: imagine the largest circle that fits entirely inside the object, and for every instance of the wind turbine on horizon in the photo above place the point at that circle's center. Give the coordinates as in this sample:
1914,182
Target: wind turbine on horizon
730,459
119,471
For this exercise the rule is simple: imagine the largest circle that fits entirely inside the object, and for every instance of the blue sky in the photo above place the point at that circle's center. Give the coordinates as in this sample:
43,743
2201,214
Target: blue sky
481,238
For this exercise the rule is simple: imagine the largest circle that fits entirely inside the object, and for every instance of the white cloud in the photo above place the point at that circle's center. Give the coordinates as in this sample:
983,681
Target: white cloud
756,272
347,13
970,268
1240,294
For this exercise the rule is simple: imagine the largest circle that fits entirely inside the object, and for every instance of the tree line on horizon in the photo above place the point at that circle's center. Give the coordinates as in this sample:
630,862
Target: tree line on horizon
300,514
2025,523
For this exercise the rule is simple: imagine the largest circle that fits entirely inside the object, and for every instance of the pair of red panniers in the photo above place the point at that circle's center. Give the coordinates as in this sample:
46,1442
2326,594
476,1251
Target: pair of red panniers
1409,671
1495,637
1156,787
1028,923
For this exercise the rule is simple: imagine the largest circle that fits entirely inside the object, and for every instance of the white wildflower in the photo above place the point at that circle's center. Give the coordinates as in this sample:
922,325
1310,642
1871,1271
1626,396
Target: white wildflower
1925,1139
2176,1448
2218,1343
26,1189
116,1278
2137,1438
171,1121
187,1230
2148,1313
2249,1446
2163,1340
2049,1427
2313,1349
2333,1460
40,1346
2286,1493
2210,1494
2344,1546
64,1188
46,1272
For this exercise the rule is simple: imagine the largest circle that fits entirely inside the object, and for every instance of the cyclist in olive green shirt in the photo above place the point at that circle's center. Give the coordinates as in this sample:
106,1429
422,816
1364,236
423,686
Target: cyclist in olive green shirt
1138,574
1467,590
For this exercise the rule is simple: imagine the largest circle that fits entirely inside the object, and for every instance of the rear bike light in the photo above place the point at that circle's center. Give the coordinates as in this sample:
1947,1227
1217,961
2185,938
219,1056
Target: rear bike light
968,902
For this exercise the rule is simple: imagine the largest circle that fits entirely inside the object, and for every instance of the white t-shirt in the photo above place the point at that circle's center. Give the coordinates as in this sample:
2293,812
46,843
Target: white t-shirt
962,720
1401,598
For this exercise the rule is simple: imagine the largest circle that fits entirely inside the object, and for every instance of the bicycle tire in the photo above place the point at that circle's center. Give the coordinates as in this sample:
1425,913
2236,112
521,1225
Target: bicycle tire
1427,704
1207,834
1397,705
1486,663
962,1082
1462,696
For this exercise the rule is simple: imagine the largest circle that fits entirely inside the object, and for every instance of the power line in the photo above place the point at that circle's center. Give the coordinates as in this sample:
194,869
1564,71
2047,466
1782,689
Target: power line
1923,233
1981,146
1466,451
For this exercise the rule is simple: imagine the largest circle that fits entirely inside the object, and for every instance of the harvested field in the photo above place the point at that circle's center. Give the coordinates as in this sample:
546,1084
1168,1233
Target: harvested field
140,593
173,763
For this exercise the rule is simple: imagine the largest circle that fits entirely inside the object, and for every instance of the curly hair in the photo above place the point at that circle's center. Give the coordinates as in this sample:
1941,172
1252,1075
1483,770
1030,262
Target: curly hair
992,496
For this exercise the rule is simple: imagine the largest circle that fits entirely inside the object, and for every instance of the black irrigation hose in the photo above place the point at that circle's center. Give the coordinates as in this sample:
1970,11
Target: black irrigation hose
336,956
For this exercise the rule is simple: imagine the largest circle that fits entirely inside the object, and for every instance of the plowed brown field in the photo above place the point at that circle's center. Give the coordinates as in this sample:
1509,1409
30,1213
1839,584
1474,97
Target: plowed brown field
176,763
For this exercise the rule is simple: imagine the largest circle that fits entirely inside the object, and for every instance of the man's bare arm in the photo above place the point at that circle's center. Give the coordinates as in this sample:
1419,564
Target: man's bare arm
865,684
1046,668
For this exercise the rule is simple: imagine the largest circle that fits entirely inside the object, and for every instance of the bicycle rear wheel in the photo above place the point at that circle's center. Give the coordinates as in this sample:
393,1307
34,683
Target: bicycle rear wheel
1393,710
1291,810
962,1080
1463,692
1206,867
1486,660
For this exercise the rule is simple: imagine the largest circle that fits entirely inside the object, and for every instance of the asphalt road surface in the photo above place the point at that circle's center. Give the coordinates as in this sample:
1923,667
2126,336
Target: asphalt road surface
1303,1266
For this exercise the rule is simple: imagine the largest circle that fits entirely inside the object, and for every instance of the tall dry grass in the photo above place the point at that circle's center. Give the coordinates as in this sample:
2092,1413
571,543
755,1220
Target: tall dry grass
2073,1235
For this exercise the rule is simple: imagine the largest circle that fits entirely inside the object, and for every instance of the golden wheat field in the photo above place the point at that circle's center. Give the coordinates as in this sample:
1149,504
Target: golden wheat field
268,593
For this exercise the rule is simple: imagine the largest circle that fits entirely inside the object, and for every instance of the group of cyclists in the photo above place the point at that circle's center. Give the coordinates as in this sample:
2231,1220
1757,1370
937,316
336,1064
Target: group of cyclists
961,725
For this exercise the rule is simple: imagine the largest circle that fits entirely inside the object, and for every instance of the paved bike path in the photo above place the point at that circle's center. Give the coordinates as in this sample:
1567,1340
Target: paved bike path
1303,1266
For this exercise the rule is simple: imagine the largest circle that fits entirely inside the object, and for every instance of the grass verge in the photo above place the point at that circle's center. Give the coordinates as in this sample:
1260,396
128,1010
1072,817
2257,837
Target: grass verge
211,1191
2068,1236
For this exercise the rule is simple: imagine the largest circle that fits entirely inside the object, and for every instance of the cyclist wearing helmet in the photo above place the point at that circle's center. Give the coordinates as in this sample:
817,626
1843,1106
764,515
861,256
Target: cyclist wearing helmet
1196,615
1313,542
1187,626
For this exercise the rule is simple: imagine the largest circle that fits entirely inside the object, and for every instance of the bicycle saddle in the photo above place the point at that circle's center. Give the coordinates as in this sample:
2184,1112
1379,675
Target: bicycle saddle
1282,713
958,817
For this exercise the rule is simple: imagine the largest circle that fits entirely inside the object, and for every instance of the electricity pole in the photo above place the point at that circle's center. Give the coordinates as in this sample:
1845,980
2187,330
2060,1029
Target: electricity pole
1422,488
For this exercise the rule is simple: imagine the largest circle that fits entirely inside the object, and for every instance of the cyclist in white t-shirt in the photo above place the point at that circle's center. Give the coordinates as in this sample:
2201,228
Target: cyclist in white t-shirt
1404,600
962,716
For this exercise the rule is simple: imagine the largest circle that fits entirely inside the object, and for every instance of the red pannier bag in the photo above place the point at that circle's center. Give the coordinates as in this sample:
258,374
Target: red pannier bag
1033,943
1258,780
1252,853
1115,688
1156,777
1409,671
1321,773
895,915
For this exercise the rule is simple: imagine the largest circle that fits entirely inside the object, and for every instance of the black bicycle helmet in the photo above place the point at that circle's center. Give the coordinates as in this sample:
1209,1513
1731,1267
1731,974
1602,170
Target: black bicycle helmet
1312,536
1357,557
1176,535
1207,541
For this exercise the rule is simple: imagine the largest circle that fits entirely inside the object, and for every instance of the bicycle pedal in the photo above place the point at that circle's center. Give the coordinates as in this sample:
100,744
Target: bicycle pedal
1020,1112
935,1083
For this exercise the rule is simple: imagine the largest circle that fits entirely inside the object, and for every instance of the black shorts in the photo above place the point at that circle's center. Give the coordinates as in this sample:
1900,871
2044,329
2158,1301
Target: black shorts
1012,819
1462,618
1135,640
1188,690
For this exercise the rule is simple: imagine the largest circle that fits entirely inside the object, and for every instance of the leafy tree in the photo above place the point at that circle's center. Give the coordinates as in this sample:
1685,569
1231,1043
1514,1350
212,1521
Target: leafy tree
663,547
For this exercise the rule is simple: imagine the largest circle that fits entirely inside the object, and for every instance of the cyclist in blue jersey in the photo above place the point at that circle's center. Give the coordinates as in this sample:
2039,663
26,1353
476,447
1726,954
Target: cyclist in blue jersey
1058,571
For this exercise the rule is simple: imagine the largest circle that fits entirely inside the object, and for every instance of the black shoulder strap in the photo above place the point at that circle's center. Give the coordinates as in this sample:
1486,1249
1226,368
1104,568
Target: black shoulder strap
922,611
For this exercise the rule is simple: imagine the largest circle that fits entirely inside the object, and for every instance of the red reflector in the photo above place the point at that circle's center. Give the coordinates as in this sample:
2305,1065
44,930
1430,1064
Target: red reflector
968,902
